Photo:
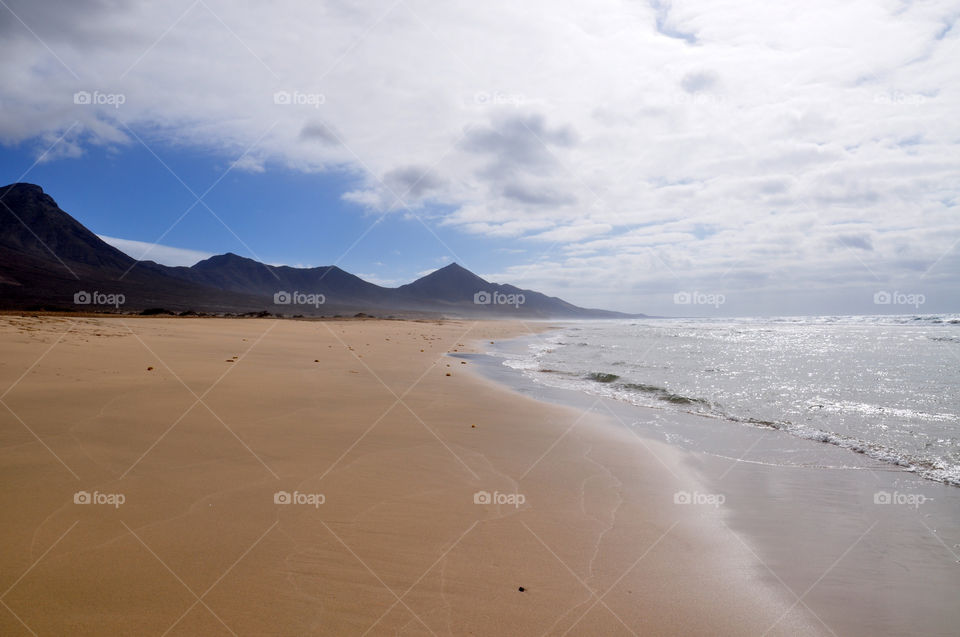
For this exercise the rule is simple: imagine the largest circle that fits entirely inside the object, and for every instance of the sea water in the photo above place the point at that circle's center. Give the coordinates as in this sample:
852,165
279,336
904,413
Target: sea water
887,387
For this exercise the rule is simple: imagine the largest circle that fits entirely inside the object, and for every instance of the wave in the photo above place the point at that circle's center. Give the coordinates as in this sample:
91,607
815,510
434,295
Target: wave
932,469
664,394
945,339
602,377
908,430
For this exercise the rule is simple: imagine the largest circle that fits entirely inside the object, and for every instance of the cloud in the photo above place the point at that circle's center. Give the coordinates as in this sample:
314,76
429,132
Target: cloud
381,281
534,195
817,141
319,132
518,144
698,81
250,164
666,23
859,241
412,181
166,255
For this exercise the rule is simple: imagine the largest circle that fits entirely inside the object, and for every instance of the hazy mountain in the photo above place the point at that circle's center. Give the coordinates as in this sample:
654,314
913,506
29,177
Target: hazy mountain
47,256
455,289
240,274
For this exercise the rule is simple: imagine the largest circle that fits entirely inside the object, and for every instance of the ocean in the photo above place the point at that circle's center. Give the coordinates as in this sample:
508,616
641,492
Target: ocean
886,387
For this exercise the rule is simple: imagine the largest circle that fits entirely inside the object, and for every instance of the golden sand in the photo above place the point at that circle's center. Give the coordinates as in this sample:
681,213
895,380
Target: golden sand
329,478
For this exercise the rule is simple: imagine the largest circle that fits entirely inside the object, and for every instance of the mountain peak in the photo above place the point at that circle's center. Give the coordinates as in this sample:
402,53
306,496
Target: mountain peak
23,186
228,256
44,252
452,269
450,281
32,223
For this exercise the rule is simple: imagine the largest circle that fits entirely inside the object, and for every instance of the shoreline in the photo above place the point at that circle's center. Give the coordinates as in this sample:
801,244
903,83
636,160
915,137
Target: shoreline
292,477
799,504
858,450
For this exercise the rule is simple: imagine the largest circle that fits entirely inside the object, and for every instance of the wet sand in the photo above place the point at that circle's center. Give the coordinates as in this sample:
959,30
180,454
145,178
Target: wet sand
868,547
332,478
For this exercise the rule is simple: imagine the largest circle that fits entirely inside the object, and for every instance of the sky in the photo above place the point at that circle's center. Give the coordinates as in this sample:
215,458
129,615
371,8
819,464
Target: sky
672,158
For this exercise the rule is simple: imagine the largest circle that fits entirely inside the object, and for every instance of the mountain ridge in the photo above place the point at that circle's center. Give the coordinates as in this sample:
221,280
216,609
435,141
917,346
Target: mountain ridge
47,256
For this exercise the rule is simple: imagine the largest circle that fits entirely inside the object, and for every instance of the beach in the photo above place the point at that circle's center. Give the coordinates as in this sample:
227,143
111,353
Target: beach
258,476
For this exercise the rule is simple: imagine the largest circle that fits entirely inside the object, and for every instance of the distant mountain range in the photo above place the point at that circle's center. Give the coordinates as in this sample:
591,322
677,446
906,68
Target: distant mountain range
50,261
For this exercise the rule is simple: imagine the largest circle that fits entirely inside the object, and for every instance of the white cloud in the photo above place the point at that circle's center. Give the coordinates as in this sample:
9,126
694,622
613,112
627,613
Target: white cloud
710,142
167,255
381,281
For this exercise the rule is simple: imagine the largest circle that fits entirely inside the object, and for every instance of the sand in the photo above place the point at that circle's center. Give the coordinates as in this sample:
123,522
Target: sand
386,446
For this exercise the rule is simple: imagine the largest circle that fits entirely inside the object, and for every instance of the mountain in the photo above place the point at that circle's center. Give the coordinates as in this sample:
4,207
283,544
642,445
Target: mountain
240,274
454,289
32,224
50,260
47,257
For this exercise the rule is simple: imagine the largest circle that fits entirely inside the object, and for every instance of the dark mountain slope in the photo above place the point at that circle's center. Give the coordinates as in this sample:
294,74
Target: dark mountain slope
47,257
